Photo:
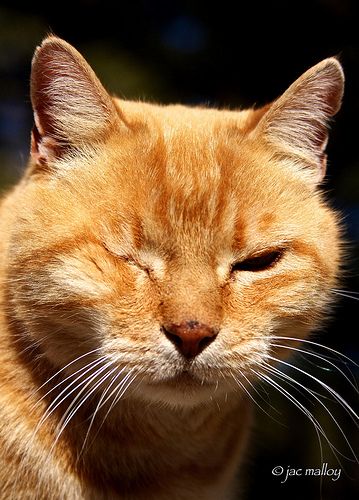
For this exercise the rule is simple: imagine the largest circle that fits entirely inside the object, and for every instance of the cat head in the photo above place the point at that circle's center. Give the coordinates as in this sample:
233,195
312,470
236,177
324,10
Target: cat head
171,242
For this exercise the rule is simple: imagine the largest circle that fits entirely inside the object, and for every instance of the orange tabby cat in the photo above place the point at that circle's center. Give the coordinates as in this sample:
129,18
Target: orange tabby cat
149,256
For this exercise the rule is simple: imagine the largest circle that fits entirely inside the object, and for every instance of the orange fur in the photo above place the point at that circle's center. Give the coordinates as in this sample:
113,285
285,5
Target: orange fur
129,218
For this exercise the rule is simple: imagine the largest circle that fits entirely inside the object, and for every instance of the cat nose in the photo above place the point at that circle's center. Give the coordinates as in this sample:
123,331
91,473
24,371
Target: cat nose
190,337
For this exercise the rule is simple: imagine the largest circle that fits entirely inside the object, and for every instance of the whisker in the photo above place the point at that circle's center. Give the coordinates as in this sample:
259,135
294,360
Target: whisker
73,407
311,342
286,377
257,391
88,382
102,401
59,400
66,366
337,396
119,386
346,295
320,357
119,393
344,291
85,369
56,402
317,427
244,388
290,383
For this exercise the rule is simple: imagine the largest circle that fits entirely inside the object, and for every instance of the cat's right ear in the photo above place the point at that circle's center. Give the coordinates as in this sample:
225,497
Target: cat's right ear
71,107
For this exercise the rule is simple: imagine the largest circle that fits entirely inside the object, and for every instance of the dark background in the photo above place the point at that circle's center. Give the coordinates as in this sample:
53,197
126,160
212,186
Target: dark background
225,54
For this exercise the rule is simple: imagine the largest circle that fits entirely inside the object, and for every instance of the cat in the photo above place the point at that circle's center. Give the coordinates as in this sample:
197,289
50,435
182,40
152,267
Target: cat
151,257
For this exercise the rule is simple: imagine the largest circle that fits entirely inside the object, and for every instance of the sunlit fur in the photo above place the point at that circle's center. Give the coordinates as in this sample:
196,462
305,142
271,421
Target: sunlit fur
130,217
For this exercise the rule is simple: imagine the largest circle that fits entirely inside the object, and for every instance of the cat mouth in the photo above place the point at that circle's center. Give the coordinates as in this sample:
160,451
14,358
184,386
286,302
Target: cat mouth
185,380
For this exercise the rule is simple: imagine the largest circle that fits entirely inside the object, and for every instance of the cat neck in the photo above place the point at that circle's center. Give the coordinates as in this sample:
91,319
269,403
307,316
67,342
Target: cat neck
152,448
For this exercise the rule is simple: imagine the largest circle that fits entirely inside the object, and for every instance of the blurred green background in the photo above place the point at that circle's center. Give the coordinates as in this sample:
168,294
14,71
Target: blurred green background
226,54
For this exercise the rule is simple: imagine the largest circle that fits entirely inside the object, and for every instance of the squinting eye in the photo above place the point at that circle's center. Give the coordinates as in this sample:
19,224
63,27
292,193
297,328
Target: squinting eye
258,263
128,259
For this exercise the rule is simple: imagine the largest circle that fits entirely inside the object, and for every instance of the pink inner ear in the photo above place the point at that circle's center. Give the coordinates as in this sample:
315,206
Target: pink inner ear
35,142
43,148
298,121
322,167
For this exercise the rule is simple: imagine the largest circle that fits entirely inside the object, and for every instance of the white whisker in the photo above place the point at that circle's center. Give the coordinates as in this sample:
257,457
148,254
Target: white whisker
119,390
84,370
66,366
319,357
323,384
311,342
244,388
317,427
73,407
286,377
344,291
102,401
346,295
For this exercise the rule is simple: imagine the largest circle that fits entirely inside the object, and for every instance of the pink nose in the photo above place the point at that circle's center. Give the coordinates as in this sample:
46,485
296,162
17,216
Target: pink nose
190,337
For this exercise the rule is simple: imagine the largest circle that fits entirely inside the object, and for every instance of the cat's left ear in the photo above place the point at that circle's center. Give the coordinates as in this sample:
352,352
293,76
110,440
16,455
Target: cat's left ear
297,123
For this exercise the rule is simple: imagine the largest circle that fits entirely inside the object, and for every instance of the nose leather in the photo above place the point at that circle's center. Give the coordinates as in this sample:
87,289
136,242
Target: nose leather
190,337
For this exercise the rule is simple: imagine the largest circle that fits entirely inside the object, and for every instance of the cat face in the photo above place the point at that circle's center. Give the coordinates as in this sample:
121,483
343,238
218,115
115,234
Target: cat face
171,242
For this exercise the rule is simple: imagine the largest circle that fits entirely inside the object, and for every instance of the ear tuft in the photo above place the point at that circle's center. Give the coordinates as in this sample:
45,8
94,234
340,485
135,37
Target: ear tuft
297,123
71,107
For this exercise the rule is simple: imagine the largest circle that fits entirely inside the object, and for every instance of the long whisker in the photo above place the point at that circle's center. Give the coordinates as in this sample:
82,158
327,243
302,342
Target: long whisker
257,391
311,342
66,366
83,369
260,395
319,357
337,396
344,291
102,401
59,399
347,295
88,382
244,388
317,427
290,383
285,376
119,390
73,407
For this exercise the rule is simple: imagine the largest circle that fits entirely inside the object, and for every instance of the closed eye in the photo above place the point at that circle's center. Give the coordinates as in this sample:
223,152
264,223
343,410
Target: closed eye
259,262
135,263
128,259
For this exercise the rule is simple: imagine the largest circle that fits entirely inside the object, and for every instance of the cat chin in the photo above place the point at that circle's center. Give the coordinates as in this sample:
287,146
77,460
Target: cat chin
185,393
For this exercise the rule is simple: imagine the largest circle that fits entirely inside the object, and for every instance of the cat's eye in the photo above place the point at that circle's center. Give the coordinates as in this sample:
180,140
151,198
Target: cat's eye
259,262
128,259
136,264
